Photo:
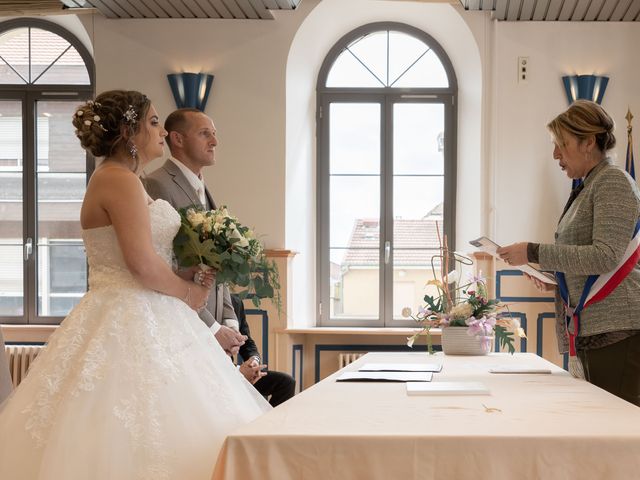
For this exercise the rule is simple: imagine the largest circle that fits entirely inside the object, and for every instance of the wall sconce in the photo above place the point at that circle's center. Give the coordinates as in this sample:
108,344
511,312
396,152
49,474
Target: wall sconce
190,90
588,87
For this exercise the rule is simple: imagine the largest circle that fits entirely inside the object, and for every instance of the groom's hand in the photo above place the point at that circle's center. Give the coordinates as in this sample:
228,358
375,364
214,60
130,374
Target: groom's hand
230,340
252,370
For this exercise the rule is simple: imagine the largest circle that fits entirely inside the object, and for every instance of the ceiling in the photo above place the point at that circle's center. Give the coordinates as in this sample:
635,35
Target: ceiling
559,10
502,10
231,9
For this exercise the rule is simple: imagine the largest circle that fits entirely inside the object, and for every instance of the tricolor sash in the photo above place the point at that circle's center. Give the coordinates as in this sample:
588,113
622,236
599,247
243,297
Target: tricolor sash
597,288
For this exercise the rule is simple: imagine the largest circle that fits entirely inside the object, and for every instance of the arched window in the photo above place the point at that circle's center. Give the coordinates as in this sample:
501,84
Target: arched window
45,72
386,172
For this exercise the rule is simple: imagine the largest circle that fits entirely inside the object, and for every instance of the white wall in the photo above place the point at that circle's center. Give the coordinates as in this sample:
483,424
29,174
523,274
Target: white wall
248,59
530,188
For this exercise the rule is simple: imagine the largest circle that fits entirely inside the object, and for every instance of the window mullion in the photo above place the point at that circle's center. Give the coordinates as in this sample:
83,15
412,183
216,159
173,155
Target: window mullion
29,206
386,220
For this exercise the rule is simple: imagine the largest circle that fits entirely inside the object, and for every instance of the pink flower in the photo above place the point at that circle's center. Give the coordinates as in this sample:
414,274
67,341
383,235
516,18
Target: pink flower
481,327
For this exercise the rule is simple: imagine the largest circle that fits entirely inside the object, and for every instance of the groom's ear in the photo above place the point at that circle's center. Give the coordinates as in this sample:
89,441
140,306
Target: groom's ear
176,139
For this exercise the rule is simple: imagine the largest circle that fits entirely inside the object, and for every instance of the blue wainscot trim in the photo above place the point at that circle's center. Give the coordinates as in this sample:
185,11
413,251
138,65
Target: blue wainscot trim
540,326
365,348
515,273
296,373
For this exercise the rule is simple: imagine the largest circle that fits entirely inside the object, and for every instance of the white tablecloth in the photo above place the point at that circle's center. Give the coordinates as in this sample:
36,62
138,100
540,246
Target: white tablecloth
529,427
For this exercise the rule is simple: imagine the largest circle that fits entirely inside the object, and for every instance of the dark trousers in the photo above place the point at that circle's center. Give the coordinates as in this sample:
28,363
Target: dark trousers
615,368
277,385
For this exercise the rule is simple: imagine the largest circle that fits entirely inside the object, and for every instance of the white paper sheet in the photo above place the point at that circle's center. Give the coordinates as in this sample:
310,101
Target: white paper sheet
385,377
447,388
401,367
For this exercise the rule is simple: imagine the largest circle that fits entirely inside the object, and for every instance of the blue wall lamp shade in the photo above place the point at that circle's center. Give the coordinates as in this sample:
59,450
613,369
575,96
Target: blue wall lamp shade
587,87
190,90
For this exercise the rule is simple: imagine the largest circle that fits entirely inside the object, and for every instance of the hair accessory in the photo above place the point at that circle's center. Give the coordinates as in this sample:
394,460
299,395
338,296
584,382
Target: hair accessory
130,116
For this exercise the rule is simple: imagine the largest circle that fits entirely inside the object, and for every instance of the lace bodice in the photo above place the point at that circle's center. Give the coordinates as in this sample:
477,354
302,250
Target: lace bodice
106,263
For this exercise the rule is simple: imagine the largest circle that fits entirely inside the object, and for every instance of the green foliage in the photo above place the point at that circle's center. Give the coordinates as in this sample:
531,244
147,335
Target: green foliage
217,239
504,337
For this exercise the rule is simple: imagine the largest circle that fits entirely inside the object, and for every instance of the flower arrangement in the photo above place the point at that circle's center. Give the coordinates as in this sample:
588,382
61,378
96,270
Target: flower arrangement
216,239
465,305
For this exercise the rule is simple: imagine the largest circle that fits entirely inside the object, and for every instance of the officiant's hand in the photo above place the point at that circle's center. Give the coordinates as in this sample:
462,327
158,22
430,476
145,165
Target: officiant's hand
252,370
542,286
230,340
514,254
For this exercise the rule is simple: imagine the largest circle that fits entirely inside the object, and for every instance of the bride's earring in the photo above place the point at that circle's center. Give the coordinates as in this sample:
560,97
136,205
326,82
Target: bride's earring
133,150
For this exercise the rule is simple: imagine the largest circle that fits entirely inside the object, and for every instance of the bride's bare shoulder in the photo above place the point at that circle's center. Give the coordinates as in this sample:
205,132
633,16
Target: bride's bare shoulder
112,179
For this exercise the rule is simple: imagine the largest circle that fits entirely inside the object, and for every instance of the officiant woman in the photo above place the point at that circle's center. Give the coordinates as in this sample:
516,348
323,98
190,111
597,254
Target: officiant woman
595,255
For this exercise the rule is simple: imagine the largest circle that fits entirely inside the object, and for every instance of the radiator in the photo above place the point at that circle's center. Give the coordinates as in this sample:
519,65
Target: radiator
345,358
20,358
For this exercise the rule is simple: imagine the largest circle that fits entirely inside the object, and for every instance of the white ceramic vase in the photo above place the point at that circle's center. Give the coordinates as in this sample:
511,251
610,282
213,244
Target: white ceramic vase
456,341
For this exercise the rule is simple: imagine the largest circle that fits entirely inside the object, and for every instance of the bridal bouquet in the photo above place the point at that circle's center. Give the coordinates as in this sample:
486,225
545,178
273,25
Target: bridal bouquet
216,239
463,305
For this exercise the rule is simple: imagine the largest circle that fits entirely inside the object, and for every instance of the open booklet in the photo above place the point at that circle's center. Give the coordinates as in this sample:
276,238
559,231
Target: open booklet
487,245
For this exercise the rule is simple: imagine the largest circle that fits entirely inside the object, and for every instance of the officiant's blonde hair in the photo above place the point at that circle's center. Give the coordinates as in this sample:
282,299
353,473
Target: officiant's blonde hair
583,119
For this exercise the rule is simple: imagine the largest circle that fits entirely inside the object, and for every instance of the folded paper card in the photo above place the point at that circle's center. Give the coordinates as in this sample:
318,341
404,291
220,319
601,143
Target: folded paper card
385,377
401,367
447,388
519,369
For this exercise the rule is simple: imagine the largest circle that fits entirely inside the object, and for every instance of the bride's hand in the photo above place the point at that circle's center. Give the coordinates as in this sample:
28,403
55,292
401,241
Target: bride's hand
198,297
206,278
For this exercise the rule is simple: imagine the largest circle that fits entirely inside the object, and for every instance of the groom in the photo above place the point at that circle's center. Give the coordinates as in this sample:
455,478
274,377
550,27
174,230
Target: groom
192,142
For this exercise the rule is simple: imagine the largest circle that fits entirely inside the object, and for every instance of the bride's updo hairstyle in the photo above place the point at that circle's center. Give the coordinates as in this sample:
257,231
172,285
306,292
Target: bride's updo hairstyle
106,125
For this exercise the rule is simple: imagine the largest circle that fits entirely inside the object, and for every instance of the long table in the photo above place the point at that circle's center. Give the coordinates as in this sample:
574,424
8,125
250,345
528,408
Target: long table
530,427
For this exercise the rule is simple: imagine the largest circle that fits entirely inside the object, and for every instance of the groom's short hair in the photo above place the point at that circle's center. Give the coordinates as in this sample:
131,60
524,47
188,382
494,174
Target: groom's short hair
177,122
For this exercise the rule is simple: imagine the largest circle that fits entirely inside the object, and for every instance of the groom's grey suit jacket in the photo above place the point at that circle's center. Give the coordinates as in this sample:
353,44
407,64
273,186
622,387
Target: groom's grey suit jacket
170,184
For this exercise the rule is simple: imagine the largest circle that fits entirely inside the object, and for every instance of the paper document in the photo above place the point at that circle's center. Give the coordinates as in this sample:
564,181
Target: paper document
385,377
519,369
400,367
487,245
447,388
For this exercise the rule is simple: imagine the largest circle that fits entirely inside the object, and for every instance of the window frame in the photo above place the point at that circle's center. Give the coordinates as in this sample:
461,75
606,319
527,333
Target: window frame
386,97
29,94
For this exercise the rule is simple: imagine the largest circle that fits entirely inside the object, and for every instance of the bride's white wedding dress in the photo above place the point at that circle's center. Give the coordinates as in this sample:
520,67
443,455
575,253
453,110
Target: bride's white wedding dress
133,385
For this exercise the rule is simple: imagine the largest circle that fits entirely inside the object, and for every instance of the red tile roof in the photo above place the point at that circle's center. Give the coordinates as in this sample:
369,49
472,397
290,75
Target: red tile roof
414,242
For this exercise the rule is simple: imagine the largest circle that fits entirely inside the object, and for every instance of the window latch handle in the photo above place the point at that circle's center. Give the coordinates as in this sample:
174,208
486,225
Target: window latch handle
387,252
28,249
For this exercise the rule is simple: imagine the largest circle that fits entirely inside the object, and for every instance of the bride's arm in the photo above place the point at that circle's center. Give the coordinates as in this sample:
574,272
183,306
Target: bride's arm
124,200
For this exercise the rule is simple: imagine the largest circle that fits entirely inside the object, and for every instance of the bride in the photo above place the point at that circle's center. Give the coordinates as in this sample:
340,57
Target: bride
133,385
